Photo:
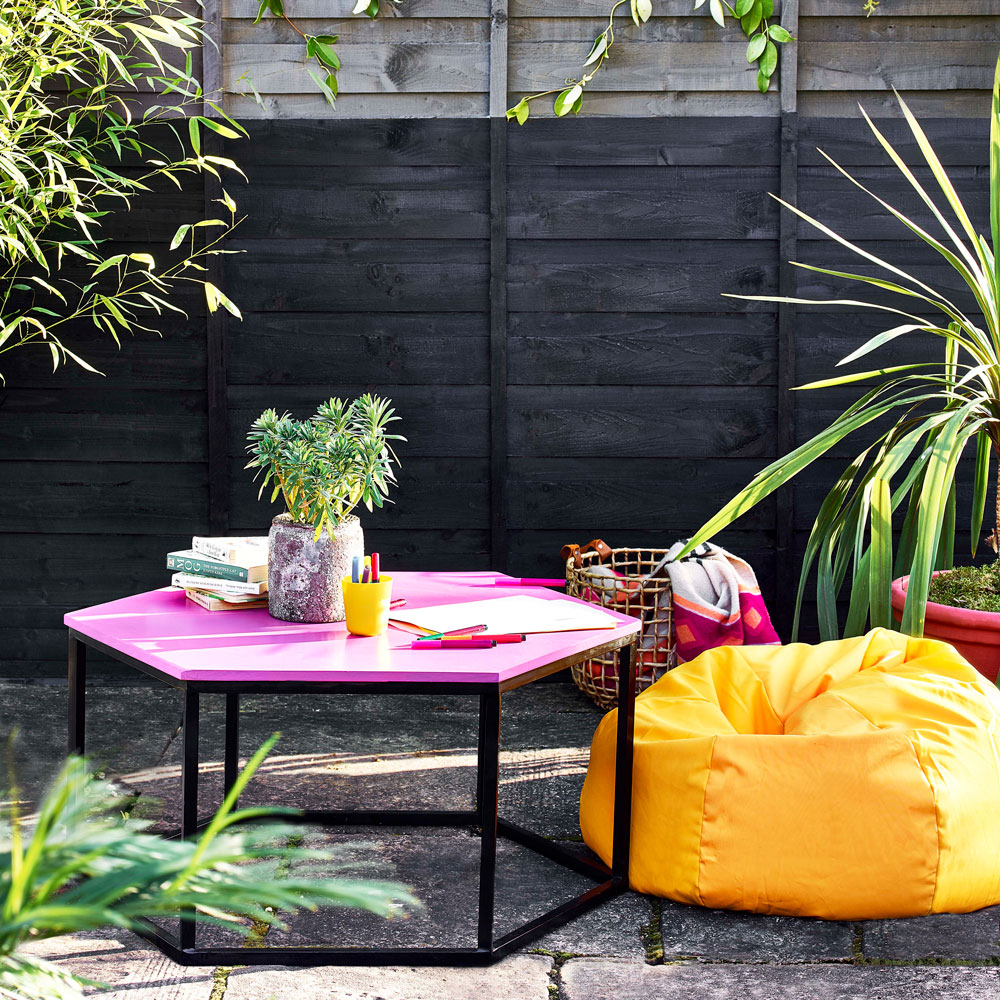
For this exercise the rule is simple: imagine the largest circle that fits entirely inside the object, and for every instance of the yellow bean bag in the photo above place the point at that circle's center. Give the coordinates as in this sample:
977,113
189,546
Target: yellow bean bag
850,780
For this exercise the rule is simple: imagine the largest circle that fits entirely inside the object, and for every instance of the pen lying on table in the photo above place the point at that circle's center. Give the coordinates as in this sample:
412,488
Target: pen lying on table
452,643
501,637
529,581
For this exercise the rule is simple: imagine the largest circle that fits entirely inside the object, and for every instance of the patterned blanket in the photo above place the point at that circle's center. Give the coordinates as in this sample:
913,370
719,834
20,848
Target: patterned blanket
717,601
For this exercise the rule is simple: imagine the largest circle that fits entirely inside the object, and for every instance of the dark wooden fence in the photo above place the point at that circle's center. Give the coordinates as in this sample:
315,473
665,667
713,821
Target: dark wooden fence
635,398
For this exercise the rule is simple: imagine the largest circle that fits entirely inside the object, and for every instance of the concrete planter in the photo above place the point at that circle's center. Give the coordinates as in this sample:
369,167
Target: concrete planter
303,574
975,634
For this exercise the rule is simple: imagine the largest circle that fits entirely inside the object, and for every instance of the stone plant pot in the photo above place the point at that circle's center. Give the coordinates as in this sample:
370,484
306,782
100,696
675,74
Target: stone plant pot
975,634
303,574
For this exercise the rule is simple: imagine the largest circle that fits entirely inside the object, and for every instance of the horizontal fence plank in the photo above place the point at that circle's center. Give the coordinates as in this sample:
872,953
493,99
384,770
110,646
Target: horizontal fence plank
402,9
271,30
957,141
911,8
831,198
368,68
88,425
960,104
105,497
615,422
599,8
639,65
385,142
890,28
356,275
301,202
653,276
575,493
437,420
378,348
641,349
589,202
313,107
864,65
444,493
648,142
78,570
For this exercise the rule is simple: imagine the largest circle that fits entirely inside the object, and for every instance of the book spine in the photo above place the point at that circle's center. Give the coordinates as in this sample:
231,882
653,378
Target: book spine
207,567
189,581
213,549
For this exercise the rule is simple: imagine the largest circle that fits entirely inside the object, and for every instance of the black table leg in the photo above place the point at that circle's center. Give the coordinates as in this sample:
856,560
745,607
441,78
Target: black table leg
189,795
623,761
231,765
487,795
77,695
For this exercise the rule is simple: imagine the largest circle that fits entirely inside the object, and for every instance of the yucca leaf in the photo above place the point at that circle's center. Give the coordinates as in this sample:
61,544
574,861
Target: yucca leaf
857,613
880,579
980,486
826,594
995,180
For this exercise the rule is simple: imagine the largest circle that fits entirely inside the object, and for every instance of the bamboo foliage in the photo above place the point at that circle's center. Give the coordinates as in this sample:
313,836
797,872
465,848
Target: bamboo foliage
905,478
77,142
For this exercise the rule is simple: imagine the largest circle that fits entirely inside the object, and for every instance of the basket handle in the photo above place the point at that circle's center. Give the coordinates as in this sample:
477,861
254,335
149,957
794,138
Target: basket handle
575,552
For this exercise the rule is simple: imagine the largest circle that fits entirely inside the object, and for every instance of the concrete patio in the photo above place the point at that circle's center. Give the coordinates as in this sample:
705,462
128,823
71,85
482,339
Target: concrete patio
342,751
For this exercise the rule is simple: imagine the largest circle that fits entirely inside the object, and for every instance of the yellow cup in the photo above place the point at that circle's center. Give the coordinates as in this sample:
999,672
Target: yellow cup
367,605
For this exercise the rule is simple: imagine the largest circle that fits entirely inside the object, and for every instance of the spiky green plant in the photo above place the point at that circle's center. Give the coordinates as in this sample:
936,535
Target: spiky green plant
81,865
937,410
325,466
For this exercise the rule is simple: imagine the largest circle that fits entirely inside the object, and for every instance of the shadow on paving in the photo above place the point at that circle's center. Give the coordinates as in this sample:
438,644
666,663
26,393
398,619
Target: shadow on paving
410,752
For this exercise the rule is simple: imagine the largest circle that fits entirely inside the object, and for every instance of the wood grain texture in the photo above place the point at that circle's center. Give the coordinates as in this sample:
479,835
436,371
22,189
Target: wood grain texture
375,348
642,349
616,422
366,202
643,202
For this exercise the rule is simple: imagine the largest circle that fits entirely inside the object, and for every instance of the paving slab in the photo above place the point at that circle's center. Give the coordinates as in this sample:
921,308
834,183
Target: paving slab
606,979
443,872
958,936
126,966
728,935
617,927
520,977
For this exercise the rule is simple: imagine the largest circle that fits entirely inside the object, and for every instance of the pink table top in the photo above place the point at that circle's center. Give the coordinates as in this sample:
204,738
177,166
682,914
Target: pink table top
166,631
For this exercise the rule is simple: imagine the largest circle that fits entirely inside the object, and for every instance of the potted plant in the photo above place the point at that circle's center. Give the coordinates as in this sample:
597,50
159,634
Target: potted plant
323,468
84,865
921,419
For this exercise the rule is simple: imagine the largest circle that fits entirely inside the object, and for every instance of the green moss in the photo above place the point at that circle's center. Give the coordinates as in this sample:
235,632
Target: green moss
975,587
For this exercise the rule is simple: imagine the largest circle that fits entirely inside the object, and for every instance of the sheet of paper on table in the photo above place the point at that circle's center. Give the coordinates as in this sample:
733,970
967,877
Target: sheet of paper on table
505,614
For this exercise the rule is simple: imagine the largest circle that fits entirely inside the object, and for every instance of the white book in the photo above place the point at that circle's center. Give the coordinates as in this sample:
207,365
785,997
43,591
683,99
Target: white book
188,581
249,550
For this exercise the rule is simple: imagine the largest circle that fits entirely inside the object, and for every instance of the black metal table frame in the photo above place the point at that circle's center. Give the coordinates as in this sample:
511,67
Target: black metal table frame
182,948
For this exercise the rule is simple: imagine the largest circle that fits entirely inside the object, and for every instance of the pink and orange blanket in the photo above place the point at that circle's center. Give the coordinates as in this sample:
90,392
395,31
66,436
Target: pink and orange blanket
717,601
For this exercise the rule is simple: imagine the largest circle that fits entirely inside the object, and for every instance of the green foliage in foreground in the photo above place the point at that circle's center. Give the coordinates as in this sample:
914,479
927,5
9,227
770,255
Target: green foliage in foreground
934,411
78,142
325,466
81,865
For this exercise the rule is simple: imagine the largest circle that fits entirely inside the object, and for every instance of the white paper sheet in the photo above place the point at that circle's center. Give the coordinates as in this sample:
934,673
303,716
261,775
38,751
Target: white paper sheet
507,614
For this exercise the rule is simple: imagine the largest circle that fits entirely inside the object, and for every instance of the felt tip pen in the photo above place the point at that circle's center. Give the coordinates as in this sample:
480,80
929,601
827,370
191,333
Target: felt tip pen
470,630
355,570
397,603
530,581
375,567
452,644
504,637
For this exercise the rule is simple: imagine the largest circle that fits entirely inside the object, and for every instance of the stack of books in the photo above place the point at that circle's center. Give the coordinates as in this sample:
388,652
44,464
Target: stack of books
222,574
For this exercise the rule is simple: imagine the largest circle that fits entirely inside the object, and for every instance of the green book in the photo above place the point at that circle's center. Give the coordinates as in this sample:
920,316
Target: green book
189,561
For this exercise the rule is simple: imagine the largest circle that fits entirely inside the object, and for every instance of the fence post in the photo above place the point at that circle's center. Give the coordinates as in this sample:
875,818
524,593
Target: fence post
786,580
498,284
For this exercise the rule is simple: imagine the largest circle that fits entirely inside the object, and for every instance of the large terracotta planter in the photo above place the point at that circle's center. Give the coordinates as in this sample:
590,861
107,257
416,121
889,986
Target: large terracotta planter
975,634
304,573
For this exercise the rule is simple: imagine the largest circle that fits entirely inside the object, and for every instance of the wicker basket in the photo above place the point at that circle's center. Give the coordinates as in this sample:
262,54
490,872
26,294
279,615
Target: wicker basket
631,594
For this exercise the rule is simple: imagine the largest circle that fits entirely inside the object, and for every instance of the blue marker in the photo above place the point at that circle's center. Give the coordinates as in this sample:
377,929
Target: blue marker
354,570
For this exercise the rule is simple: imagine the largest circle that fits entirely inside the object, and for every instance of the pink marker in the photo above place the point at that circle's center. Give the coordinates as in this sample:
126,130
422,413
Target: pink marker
529,581
453,644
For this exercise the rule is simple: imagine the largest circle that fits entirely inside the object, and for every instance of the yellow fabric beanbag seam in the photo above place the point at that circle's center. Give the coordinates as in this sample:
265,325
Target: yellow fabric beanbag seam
850,780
